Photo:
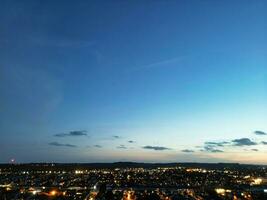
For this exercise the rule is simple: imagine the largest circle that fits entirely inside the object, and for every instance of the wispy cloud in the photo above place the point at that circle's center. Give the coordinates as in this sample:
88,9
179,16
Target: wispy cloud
211,149
61,145
121,147
156,148
243,142
160,63
188,151
254,149
72,133
222,146
260,133
219,144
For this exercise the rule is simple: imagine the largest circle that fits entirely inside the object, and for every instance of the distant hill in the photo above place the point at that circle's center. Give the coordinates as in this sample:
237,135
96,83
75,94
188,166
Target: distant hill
73,166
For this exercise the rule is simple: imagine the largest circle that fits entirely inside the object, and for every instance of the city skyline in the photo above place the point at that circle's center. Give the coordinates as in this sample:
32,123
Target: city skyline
174,81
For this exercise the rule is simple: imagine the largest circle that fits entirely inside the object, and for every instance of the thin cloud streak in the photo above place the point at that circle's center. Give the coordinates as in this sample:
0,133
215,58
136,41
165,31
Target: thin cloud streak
156,148
72,134
211,149
160,63
254,149
187,151
61,145
259,133
219,144
121,147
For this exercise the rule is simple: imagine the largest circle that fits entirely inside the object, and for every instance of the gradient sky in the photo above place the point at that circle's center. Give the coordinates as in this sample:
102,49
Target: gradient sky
153,81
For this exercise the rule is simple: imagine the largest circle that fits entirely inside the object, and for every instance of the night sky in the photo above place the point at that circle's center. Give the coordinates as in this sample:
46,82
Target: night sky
145,81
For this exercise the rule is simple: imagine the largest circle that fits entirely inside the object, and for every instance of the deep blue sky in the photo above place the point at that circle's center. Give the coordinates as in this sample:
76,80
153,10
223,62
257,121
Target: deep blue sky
79,80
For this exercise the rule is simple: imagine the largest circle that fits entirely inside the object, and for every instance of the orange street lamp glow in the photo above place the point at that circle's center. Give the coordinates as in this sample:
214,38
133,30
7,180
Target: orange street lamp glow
53,193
